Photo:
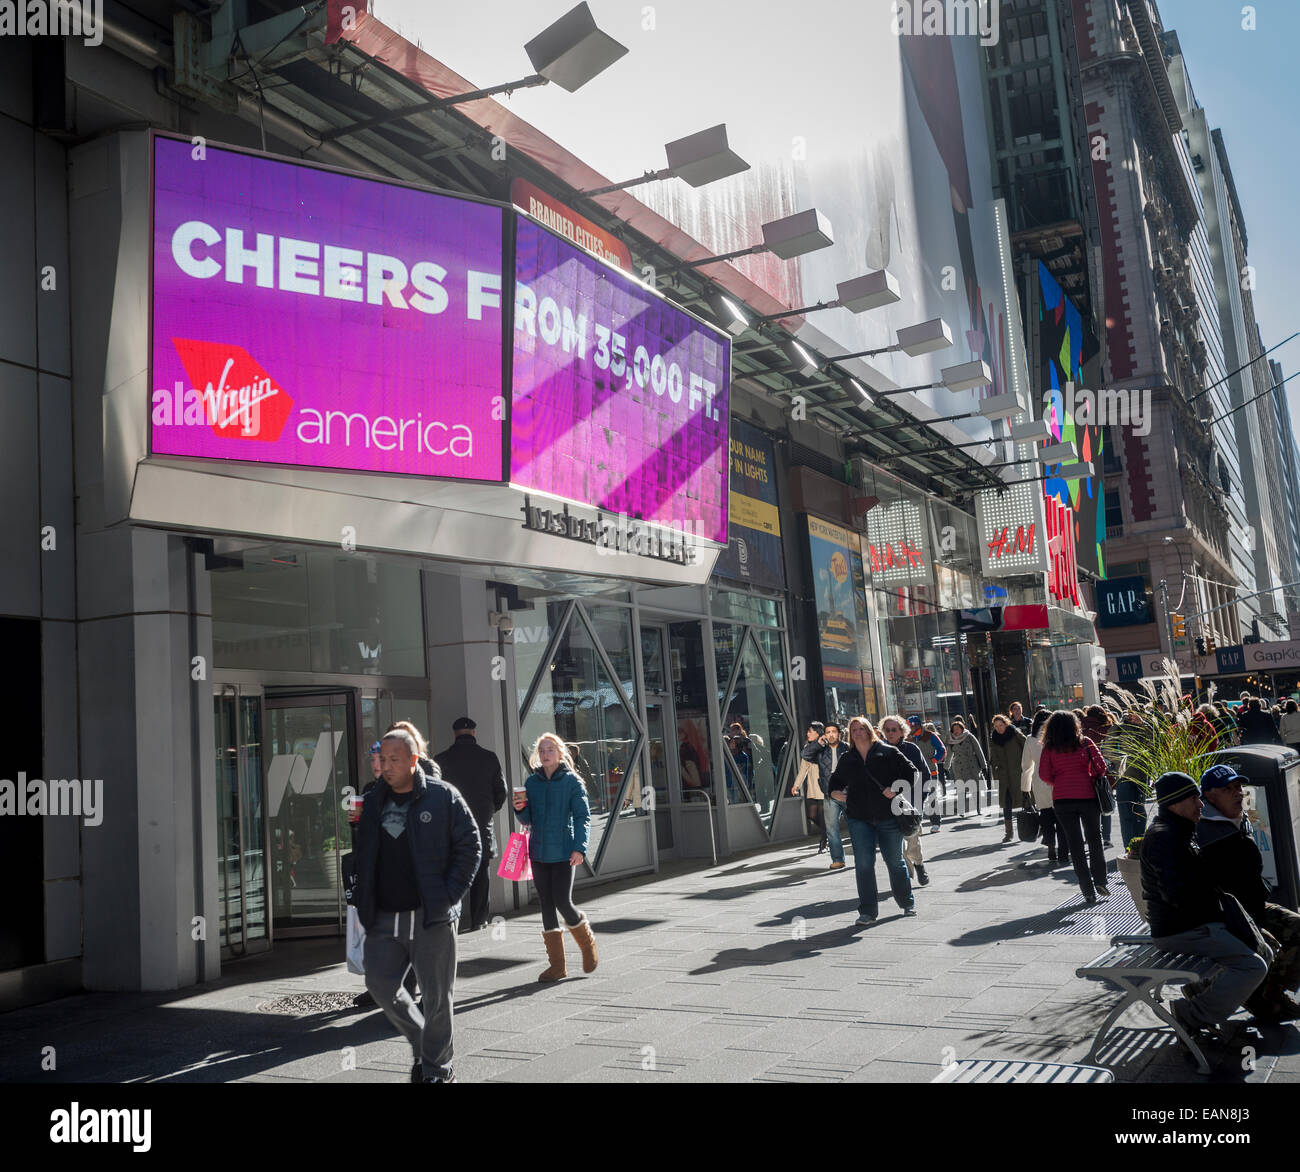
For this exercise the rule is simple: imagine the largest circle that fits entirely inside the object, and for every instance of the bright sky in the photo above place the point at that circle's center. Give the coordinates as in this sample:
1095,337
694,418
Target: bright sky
1245,81
709,61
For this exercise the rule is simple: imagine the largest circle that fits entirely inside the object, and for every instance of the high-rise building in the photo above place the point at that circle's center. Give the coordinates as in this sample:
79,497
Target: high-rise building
1175,502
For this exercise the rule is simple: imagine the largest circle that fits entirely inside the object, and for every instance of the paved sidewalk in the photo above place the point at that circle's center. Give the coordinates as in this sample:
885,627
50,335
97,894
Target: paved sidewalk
748,971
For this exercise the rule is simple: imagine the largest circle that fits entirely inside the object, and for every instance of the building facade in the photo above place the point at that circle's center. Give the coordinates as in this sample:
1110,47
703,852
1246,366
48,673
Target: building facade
232,584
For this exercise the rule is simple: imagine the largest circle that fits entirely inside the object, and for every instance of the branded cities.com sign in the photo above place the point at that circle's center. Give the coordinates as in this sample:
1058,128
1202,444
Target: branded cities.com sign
620,399
309,318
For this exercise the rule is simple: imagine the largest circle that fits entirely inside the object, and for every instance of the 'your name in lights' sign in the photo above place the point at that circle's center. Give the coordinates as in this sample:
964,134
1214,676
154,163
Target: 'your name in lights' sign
310,318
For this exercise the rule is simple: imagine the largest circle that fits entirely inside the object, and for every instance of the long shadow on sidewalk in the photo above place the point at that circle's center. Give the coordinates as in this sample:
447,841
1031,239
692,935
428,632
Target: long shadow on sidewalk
781,951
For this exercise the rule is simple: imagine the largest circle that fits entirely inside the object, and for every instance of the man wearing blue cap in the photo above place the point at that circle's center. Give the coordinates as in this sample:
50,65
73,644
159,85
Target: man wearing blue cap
1184,910
1236,866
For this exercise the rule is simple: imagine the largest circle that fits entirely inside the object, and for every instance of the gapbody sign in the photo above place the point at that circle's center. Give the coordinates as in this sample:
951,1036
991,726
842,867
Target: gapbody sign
619,400
311,318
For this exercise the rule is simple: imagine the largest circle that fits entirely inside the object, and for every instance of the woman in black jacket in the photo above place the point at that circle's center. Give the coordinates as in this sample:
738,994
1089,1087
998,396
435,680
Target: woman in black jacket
866,780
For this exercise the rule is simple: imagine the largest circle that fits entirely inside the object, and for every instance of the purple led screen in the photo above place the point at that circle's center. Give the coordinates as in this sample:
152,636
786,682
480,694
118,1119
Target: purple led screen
309,318
619,399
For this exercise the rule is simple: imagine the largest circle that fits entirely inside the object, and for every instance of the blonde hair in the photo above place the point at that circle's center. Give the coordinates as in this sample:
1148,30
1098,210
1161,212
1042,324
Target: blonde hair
872,735
566,757
406,726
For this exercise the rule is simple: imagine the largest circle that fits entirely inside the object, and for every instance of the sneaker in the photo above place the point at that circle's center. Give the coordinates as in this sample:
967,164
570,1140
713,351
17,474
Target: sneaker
1090,901
864,920
909,911
836,867
1103,891
451,1077
922,878
417,1072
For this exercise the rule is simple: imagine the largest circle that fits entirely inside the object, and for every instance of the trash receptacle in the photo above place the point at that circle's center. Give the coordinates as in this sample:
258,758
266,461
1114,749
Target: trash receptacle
1273,807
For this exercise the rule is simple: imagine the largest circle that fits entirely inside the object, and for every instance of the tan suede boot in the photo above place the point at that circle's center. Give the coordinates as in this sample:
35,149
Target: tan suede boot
554,941
586,941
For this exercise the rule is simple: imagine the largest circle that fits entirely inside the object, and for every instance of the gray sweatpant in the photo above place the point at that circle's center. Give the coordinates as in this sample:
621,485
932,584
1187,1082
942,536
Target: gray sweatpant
1239,974
396,942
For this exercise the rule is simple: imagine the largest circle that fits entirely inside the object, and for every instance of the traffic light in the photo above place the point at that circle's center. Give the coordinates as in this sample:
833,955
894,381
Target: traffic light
1200,645
1209,644
1180,626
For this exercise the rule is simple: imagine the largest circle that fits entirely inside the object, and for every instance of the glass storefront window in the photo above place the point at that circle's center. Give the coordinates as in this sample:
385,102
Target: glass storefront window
769,643
316,611
534,626
576,697
691,701
613,627
726,646
756,733
745,608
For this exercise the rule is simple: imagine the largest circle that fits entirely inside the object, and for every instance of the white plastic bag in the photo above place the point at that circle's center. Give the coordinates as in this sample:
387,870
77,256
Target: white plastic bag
356,943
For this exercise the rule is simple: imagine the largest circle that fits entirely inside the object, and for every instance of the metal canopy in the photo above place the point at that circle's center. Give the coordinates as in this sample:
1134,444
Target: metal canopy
383,92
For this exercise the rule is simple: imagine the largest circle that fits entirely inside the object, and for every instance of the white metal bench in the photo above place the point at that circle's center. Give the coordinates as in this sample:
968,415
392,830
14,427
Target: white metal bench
1141,970
1009,1070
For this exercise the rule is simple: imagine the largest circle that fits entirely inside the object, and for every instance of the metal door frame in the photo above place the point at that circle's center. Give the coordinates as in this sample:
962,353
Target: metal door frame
222,687
664,704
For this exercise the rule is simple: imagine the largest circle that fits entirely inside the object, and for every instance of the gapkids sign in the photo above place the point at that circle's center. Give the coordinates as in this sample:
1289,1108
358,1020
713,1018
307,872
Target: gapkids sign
305,317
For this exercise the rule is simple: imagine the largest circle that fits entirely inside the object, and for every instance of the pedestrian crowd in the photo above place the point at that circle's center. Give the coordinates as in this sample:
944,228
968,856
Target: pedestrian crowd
424,841
1061,777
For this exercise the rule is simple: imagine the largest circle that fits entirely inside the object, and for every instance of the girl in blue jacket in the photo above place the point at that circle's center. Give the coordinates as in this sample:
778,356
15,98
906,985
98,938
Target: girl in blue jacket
556,808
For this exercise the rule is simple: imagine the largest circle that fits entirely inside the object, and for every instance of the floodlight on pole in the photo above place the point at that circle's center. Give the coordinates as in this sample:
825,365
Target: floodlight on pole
700,158
857,295
964,377
804,363
792,236
1030,431
1064,453
569,53
923,338
1080,471
1000,406
729,314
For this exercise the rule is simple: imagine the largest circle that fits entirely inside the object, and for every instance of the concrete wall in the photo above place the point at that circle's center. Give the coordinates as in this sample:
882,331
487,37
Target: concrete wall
37,547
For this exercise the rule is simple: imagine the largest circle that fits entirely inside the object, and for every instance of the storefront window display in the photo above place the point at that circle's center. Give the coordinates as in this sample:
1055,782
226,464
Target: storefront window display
583,689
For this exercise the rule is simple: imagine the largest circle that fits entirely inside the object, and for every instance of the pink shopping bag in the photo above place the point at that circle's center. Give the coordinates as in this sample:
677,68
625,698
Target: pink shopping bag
514,860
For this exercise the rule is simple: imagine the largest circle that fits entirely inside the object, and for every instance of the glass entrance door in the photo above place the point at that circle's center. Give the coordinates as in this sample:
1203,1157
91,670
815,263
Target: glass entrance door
241,826
311,760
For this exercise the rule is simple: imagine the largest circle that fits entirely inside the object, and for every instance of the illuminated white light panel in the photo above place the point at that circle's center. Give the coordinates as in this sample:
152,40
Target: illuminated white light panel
898,526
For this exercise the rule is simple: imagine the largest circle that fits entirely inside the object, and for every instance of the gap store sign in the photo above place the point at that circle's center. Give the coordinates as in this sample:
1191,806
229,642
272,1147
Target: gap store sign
306,317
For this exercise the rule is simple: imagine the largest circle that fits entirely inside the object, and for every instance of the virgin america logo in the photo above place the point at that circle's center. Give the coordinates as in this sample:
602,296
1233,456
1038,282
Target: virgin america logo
239,400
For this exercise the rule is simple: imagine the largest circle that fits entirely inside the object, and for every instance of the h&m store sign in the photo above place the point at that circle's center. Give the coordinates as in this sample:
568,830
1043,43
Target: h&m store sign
1024,532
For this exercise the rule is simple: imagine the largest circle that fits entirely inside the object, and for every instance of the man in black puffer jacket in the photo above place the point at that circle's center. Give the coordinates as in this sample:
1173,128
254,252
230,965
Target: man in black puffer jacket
416,852
1184,911
866,780
1235,864
476,772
